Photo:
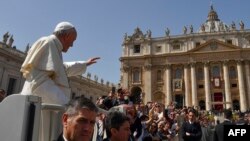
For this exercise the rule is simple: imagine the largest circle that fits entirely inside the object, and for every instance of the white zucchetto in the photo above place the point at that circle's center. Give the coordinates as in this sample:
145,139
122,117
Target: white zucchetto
63,26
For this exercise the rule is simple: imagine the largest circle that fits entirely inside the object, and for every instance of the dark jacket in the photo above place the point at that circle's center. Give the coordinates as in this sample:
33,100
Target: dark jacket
194,129
60,138
219,130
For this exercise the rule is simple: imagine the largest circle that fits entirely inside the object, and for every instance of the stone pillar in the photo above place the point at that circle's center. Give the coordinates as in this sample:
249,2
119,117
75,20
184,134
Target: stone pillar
194,85
1,76
187,85
148,83
207,87
125,79
247,75
168,85
243,105
227,85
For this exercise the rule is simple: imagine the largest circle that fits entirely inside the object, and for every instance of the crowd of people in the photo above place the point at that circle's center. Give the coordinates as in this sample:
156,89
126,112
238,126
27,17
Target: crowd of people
157,122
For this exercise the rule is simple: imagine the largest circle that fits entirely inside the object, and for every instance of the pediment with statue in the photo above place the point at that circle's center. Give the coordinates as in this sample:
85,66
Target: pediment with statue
214,45
136,36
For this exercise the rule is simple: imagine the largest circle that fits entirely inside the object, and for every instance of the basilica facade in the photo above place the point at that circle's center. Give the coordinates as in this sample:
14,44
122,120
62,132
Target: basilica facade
208,68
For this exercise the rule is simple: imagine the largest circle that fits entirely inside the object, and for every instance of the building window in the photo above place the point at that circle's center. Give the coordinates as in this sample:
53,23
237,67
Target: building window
232,72
200,86
158,49
216,71
159,75
11,86
137,48
197,44
178,73
176,47
136,76
229,41
234,85
200,74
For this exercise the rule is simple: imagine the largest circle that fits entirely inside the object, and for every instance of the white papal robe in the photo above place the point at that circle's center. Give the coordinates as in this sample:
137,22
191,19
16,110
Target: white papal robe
46,74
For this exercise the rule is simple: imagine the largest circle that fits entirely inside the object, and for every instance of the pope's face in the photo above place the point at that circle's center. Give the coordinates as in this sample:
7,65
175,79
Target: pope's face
68,40
79,127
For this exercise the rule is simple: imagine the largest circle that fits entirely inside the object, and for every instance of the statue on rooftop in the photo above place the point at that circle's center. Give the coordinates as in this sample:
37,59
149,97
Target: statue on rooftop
125,36
191,29
203,28
167,32
221,26
242,25
184,30
27,48
149,33
5,37
233,26
226,27
11,40
89,75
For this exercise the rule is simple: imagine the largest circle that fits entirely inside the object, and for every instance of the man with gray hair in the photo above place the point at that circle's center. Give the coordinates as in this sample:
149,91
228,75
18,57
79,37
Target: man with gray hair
45,72
78,120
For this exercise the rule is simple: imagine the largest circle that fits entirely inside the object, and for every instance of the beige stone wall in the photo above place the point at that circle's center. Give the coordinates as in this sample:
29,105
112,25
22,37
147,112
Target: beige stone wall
213,50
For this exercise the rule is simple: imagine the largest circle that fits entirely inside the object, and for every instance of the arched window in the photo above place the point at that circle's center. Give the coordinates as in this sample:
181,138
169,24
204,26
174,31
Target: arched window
200,74
232,72
136,76
216,71
178,73
159,75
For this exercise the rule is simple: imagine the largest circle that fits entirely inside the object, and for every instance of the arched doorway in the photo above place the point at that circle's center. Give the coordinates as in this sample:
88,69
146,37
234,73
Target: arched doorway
236,104
136,95
202,105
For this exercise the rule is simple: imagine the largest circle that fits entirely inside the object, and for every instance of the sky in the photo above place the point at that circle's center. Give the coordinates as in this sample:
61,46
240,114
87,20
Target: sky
101,24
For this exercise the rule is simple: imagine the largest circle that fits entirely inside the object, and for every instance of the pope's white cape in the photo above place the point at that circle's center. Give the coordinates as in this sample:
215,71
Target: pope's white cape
46,74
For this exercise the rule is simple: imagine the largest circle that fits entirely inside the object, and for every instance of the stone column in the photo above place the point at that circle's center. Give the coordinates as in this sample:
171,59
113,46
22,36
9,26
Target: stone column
1,76
168,85
243,105
194,85
227,85
125,70
187,85
207,87
148,83
247,82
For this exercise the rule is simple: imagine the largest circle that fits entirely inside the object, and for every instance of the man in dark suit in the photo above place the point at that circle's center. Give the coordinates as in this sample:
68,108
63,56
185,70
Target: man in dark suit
78,120
219,129
117,127
191,129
